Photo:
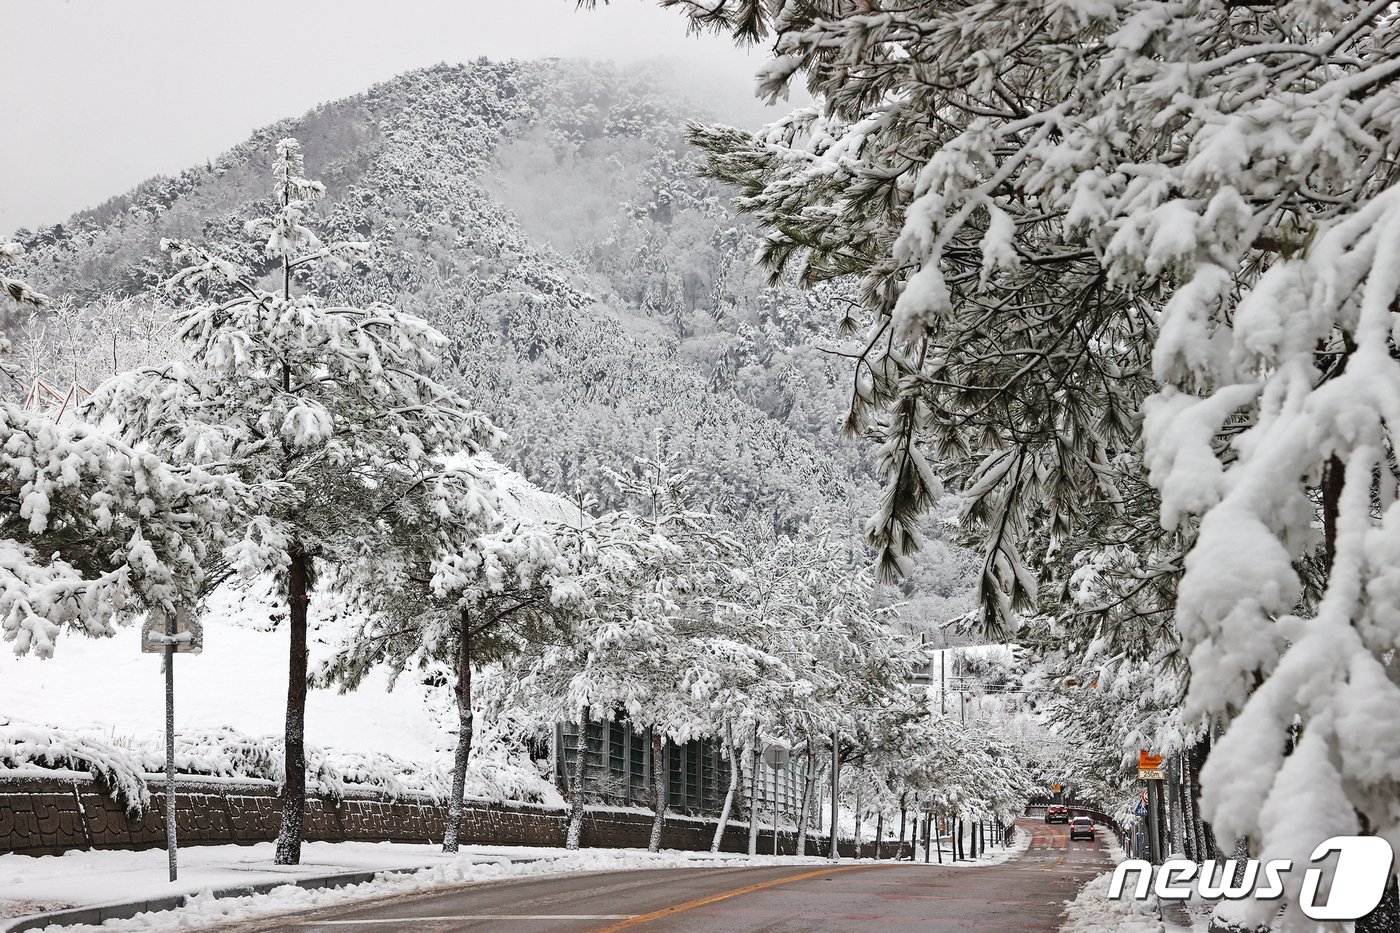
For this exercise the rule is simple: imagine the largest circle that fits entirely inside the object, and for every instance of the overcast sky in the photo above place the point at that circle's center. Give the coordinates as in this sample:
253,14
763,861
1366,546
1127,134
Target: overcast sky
102,94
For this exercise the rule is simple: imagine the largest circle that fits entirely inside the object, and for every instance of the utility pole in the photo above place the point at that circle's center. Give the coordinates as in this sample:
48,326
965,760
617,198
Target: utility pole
962,696
943,681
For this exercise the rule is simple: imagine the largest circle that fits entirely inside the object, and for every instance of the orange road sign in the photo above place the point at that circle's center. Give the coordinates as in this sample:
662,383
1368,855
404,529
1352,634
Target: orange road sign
1149,766
1148,760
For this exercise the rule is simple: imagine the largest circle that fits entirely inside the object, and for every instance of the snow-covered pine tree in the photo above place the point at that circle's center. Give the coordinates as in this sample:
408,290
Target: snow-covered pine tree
327,410
605,554
678,624
457,603
659,642
92,527
1207,181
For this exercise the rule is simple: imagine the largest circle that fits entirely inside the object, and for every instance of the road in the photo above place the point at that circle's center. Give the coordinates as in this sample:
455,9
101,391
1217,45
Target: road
1024,894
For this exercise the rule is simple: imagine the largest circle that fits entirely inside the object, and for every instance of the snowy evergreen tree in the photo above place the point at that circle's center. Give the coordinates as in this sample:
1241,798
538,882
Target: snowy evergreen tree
461,604
326,410
93,528
1113,195
661,642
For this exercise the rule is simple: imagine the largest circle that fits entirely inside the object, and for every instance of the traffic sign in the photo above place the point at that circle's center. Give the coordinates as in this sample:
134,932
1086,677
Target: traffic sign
775,756
1149,766
1057,788
188,637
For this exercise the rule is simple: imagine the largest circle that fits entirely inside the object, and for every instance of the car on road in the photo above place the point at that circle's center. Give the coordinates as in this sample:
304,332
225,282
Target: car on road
1056,814
1083,827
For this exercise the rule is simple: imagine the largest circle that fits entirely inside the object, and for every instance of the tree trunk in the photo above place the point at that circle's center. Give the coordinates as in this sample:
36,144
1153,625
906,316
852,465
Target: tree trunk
728,799
859,823
577,785
1206,847
658,790
294,741
879,833
1386,917
463,691
809,790
753,794
903,820
1163,831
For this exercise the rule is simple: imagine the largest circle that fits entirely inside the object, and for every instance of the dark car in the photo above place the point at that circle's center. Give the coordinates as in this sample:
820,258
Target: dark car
1057,814
1082,827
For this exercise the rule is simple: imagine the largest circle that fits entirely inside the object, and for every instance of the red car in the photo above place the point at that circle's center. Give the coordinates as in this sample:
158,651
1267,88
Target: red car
1083,826
1057,814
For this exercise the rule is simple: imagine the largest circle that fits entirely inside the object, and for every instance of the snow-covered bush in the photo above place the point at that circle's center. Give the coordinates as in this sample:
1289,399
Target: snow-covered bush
502,771
25,745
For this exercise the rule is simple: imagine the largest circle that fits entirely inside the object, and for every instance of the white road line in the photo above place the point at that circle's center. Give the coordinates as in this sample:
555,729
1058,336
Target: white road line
390,920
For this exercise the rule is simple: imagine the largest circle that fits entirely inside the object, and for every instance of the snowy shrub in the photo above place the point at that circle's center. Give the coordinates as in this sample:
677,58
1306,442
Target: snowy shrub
501,771
113,767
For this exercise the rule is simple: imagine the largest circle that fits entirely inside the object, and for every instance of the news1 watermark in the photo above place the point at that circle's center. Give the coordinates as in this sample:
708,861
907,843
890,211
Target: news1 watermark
1355,884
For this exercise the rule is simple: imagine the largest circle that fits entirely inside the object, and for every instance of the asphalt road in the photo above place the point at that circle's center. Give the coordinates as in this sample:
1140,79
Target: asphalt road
1024,894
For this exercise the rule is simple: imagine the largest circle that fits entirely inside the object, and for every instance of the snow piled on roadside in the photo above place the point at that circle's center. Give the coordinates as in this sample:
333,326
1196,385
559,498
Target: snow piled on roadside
995,854
1093,911
205,910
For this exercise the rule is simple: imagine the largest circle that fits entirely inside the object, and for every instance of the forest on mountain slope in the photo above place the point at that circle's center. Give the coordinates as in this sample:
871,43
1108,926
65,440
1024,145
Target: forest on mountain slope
548,218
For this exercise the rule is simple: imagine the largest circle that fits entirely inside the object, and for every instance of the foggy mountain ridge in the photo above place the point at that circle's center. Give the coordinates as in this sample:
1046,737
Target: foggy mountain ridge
547,218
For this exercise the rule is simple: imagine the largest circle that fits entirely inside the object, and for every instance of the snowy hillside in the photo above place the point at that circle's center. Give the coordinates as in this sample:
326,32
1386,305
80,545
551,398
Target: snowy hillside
548,218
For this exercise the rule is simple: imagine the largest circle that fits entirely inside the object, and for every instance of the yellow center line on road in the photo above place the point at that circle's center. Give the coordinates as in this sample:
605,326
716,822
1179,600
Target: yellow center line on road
703,901
389,921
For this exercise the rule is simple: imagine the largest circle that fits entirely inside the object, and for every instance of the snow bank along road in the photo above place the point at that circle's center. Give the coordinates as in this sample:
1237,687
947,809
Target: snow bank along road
1026,893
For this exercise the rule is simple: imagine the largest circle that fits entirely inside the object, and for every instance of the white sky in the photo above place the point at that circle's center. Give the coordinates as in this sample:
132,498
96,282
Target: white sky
101,94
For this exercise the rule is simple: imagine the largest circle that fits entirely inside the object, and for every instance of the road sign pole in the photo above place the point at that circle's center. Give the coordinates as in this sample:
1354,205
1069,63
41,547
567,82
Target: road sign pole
1154,851
167,634
775,809
170,842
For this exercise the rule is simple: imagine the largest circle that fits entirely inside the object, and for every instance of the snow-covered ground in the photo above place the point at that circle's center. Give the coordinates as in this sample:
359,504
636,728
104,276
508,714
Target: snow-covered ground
1093,911
106,693
240,680
33,884
30,884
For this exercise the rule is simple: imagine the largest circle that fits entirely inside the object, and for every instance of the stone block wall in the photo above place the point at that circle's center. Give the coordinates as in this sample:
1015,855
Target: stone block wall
47,816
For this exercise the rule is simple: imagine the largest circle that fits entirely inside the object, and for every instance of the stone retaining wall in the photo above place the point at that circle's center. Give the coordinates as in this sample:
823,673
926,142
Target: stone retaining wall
47,816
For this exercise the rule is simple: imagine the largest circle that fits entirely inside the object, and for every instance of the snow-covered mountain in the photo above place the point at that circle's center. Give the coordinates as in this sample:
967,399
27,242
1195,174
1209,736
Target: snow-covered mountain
546,217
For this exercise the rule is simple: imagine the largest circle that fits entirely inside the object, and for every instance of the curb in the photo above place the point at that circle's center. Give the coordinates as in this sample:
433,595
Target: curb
98,913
